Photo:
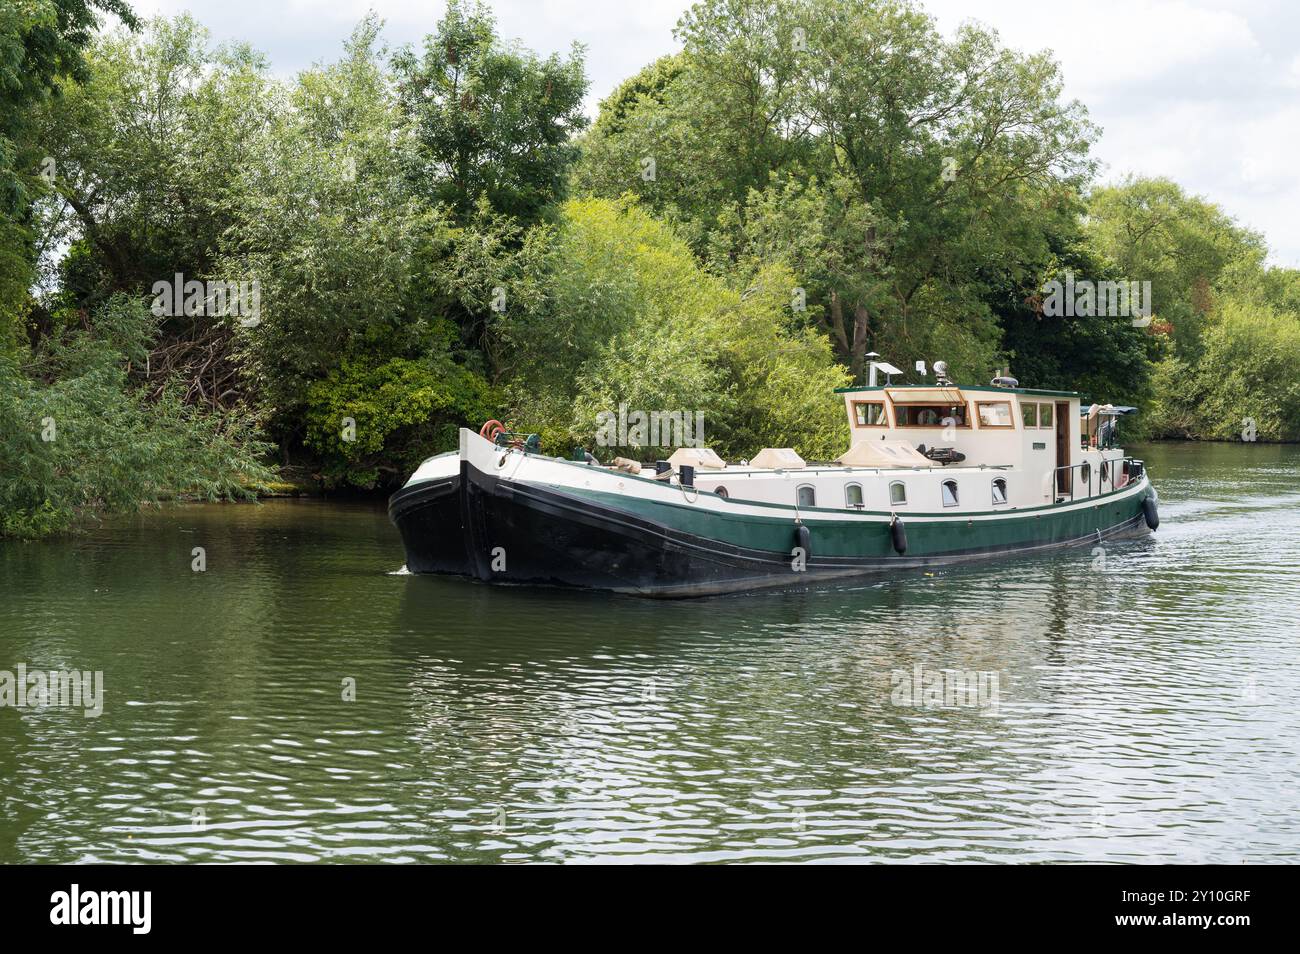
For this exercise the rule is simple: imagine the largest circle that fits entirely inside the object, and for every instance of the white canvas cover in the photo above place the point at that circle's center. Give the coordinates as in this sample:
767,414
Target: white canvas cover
697,457
875,453
778,458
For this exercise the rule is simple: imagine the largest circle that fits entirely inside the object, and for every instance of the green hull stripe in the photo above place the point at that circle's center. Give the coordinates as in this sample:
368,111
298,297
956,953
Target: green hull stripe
872,539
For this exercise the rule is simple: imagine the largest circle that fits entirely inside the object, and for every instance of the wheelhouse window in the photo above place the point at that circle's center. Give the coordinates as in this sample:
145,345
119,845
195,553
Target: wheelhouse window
870,414
897,493
853,496
929,415
995,413
1028,414
806,495
999,491
1045,415
950,493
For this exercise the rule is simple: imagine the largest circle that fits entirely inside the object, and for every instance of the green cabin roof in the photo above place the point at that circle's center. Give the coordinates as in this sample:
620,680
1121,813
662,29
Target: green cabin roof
966,387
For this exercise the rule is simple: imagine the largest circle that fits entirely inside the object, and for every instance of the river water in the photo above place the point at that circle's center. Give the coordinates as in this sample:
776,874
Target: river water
299,700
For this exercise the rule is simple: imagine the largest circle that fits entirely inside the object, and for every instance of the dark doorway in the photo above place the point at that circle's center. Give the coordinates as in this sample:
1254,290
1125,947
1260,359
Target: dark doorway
1063,459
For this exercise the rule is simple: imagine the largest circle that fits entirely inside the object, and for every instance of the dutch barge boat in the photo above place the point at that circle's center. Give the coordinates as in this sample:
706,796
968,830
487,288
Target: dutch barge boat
934,475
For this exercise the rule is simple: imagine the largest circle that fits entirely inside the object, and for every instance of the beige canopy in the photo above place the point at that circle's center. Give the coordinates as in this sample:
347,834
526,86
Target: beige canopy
778,458
871,453
697,457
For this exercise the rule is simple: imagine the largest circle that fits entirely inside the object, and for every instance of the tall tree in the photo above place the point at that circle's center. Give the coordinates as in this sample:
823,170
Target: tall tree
490,118
41,45
1189,249
149,156
942,163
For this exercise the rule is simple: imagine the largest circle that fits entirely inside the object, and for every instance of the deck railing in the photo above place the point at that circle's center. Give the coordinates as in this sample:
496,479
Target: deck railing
1110,475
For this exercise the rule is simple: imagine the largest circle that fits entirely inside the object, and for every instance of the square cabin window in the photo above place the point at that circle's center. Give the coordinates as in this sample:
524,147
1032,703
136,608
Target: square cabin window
1029,414
806,495
995,414
869,414
1045,415
897,493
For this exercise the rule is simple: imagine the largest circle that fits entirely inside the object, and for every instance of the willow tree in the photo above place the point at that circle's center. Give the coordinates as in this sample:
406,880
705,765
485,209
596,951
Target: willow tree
149,153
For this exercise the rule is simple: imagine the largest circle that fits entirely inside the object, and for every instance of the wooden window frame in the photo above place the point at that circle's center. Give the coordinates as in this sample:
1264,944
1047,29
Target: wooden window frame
995,427
932,427
884,411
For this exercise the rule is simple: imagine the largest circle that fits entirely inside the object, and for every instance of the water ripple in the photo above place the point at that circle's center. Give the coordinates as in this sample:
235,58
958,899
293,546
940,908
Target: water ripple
301,702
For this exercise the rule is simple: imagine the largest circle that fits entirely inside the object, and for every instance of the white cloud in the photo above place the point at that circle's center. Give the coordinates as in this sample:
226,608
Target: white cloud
1201,91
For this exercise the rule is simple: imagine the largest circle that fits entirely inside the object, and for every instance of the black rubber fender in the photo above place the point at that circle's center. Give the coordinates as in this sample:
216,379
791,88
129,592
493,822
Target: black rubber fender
803,539
1149,511
898,534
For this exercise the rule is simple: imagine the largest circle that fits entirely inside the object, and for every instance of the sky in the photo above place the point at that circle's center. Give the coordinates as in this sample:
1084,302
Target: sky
1205,93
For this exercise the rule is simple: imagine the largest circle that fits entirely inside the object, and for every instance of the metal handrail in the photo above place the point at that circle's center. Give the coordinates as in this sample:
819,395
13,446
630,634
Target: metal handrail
1133,467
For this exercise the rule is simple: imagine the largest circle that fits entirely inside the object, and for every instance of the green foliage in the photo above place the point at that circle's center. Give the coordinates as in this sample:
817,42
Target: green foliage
634,319
76,438
1226,324
490,119
492,266
1105,358
352,260
41,45
652,83
826,177
148,155
692,134
365,418
1187,248
1249,372
906,173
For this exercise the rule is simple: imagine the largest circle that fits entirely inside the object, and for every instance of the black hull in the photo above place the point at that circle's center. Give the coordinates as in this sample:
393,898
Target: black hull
474,525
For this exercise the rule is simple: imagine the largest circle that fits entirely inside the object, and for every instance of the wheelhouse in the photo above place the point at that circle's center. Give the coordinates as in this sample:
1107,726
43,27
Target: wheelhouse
1053,446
